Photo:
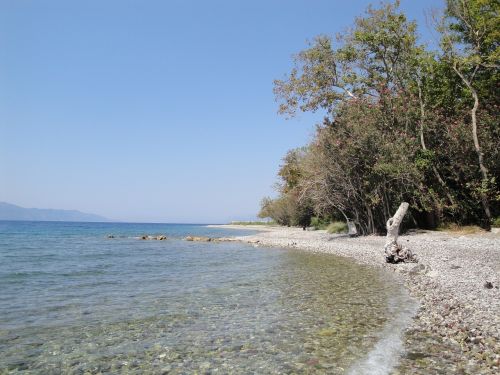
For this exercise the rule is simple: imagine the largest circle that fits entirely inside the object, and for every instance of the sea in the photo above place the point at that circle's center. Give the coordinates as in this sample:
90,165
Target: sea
94,298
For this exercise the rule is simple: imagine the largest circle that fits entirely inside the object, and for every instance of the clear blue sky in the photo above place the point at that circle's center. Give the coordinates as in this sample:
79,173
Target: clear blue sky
154,110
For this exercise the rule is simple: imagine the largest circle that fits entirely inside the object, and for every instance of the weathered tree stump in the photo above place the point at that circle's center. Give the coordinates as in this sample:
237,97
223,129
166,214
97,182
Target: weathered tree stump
351,227
394,252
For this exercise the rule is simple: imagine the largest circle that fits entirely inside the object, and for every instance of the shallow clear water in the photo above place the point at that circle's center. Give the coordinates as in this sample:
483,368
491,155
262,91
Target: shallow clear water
74,301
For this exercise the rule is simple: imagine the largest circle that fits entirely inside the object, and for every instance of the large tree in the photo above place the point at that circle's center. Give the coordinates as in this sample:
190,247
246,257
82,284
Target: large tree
471,44
397,120
371,73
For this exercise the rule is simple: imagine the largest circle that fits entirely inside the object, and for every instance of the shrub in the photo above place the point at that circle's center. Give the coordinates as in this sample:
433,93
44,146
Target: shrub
270,222
337,227
496,222
318,223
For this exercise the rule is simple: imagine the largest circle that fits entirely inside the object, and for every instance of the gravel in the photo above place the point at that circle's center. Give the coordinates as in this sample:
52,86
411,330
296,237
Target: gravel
456,280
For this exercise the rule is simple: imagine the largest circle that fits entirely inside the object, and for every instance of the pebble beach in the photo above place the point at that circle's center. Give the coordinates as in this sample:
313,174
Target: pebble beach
456,282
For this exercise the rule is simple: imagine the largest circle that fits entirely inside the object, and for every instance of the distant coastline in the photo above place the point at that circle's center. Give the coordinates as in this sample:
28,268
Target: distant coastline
13,212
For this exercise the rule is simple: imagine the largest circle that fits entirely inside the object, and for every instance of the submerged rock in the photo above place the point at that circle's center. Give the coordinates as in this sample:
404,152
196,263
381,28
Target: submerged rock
200,239
160,237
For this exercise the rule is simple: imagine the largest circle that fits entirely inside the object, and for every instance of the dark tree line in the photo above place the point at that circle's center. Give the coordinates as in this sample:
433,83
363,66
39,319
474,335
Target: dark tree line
402,123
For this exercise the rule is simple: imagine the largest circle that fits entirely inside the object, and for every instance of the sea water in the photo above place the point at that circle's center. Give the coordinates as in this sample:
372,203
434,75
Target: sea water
74,301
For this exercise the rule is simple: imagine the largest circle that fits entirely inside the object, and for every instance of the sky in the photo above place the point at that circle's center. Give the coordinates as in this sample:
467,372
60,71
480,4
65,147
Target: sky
155,111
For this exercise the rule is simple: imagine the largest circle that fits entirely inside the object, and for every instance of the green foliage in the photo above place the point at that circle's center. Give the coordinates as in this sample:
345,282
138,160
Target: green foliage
291,170
424,159
397,123
337,227
319,223
475,25
253,222
286,210
496,222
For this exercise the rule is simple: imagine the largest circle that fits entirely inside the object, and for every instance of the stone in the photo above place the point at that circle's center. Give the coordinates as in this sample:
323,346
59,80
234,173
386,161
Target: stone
160,237
198,239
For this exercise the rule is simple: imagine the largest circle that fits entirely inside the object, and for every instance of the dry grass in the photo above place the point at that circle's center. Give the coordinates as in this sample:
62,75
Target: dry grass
457,229
267,223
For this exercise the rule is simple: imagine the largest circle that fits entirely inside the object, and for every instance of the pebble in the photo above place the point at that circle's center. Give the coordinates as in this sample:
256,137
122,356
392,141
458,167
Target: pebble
460,301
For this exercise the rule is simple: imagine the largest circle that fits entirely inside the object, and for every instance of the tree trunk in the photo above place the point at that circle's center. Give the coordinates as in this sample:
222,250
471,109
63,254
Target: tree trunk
424,147
395,253
482,168
484,171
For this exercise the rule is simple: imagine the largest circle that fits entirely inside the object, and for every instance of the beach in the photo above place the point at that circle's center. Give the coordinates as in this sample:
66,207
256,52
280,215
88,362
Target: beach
456,282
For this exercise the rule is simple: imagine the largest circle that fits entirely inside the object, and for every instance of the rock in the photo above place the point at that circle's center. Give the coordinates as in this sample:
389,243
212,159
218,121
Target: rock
160,237
199,239
488,285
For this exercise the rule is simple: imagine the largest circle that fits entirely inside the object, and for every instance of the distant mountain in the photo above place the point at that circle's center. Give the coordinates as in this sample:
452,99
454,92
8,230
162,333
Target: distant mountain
12,212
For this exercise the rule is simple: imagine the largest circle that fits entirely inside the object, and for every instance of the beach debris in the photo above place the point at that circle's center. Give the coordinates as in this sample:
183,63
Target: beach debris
394,252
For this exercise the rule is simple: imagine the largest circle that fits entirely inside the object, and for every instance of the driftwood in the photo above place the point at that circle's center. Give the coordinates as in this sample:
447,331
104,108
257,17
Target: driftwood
352,231
394,252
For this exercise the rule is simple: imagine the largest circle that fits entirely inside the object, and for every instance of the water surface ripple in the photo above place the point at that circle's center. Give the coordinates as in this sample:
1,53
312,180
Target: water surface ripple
74,301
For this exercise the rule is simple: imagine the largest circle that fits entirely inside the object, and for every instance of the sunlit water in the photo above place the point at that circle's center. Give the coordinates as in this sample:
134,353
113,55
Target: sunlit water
74,301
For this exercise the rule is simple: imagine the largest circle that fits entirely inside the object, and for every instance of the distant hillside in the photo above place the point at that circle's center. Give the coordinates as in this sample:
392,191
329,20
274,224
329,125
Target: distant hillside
12,212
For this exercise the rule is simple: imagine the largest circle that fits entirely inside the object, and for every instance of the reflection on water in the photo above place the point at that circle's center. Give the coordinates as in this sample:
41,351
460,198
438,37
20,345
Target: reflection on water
84,303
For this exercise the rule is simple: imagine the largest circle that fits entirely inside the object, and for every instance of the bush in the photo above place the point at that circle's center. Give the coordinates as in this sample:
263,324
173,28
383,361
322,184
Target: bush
337,227
270,222
319,223
496,222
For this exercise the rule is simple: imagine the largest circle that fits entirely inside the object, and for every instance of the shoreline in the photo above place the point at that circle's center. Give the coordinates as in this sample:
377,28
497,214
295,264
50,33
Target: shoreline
457,327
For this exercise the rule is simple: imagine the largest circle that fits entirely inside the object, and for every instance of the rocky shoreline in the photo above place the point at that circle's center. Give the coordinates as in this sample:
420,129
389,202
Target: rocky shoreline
456,280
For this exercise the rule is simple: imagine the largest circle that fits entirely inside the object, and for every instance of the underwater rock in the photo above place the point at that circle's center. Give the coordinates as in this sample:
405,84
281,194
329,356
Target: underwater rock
199,239
160,237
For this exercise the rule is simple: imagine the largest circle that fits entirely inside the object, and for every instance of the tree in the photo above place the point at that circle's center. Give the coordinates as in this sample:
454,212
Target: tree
289,208
370,74
397,121
470,42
